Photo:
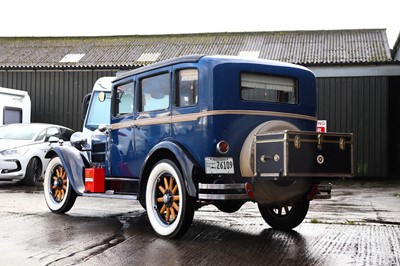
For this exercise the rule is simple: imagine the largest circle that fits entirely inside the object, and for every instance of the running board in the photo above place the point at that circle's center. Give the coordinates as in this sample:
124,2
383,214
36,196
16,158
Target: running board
109,194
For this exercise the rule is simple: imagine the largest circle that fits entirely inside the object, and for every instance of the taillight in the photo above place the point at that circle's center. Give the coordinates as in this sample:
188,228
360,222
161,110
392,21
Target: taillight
222,147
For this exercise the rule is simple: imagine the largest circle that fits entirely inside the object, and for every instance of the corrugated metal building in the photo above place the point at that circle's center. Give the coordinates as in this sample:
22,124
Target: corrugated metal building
358,77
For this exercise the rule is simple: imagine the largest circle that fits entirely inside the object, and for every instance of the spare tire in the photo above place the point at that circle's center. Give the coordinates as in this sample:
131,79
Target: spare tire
269,191
246,154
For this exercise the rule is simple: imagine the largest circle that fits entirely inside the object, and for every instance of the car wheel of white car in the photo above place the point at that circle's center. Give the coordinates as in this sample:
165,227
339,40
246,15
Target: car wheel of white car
58,192
33,172
169,208
285,217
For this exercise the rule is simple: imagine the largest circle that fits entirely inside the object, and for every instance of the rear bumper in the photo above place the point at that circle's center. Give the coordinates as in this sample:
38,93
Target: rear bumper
243,191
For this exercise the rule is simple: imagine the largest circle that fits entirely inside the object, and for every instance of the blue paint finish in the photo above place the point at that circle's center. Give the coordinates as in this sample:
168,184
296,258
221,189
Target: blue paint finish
184,158
220,114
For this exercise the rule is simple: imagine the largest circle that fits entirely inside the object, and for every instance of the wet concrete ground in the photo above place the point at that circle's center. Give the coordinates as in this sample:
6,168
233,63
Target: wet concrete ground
360,225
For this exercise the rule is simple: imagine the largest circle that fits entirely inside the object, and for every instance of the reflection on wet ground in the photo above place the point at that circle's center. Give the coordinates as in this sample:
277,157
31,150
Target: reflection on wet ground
358,226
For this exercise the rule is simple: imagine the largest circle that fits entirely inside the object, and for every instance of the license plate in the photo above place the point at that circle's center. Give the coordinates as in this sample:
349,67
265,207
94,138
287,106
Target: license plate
217,165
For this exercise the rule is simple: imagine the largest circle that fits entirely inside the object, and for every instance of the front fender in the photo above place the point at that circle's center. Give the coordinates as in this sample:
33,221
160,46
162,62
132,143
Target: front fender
74,163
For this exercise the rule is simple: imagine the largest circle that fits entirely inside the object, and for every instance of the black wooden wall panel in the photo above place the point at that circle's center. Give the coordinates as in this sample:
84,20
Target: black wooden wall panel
56,95
359,105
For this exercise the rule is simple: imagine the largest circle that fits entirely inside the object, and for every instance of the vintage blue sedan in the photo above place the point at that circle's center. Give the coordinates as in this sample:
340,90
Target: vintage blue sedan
200,130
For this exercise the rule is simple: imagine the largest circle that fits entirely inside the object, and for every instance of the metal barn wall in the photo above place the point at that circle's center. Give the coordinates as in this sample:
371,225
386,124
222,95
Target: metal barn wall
56,95
359,105
394,127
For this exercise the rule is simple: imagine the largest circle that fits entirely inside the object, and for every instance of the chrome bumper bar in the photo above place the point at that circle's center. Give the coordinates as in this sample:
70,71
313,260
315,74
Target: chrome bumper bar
243,191
240,191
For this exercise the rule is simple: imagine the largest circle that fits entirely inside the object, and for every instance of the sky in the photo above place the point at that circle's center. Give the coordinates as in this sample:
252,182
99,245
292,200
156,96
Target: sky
147,17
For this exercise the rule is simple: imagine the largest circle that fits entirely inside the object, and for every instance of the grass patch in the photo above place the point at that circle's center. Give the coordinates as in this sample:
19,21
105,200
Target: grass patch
347,222
315,221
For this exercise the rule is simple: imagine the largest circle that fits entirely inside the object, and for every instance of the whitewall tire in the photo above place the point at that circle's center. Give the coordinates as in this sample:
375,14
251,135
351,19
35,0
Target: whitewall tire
58,192
169,208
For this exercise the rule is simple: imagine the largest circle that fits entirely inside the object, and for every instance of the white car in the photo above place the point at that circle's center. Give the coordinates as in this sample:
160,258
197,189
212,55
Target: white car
23,147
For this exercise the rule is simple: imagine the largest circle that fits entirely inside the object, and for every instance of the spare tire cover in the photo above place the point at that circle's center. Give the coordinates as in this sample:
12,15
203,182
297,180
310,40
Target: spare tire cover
246,154
269,191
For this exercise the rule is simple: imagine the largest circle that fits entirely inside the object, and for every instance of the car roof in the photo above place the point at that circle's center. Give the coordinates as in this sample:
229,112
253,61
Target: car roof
35,125
182,59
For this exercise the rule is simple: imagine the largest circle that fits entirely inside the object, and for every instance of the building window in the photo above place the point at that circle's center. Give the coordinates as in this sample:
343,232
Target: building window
12,115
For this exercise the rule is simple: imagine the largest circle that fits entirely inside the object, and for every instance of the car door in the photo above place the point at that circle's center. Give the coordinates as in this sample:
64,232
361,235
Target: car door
153,121
121,141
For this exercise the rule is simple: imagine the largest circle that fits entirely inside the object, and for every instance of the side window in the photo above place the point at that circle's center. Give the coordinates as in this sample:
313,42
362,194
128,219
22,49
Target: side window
65,134
187,87
52,131
124,99
40,137
155,93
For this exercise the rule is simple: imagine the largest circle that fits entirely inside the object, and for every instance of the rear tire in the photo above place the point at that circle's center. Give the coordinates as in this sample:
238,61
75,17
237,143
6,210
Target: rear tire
58,192
169,207
285,217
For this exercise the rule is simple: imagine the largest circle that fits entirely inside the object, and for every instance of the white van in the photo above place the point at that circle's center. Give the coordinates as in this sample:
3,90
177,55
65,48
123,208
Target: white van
15,106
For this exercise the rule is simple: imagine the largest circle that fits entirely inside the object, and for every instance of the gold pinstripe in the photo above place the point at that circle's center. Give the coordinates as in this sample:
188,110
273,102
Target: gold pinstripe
195,116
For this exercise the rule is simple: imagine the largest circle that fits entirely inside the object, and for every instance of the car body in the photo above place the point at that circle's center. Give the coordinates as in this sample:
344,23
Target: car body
198,130
23,148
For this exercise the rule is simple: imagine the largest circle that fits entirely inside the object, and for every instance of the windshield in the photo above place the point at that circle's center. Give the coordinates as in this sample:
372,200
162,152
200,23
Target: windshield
98,112
18,132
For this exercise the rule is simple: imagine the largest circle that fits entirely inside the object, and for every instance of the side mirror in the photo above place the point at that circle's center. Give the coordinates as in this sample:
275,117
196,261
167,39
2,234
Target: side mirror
53,139
85,105
78,140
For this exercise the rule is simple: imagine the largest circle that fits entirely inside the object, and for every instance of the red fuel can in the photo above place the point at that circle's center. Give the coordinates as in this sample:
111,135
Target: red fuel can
94,180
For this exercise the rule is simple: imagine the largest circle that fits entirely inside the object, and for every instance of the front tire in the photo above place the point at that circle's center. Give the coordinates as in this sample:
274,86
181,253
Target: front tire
33,172
285,217
169,208
58,192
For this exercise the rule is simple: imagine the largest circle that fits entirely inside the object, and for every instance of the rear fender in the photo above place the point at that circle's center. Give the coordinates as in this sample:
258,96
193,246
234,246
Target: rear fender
186,163
74,163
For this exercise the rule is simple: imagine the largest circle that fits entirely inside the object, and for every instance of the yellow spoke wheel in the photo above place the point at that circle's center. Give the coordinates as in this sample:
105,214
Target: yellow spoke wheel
58,192
169,208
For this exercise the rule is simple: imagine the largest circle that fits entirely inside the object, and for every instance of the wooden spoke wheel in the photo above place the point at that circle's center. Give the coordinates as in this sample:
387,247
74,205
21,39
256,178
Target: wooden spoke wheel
59,186
169,208
58,192
167,197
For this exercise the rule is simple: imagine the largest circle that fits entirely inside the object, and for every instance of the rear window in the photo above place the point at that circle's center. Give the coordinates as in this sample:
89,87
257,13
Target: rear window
267,88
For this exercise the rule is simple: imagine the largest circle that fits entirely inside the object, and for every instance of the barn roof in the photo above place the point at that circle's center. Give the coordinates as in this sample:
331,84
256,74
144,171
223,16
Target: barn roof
331,47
